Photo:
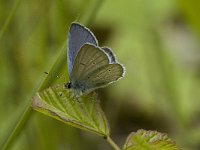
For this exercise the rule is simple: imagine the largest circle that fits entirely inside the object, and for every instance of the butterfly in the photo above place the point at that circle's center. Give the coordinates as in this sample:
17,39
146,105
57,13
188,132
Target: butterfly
89,66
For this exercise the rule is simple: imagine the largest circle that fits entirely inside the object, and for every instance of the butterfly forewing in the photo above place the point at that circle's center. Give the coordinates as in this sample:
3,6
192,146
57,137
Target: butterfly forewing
78,36
89,59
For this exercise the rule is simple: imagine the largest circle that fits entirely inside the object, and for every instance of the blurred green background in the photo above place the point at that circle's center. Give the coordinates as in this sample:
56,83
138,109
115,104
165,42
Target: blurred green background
158,43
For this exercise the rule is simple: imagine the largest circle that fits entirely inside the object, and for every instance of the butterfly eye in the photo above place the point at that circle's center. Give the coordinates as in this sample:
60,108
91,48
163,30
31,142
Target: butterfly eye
68,85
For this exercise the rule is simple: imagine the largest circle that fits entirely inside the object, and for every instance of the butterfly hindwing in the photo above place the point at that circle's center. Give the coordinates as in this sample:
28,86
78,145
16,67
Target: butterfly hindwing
92,68
105,75
87,60
78,36
110,54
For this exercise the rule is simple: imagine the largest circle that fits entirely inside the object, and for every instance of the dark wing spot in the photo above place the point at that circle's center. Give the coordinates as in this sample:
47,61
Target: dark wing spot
82,63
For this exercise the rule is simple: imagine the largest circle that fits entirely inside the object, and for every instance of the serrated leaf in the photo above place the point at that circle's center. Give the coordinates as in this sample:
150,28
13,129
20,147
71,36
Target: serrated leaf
82,112
149,140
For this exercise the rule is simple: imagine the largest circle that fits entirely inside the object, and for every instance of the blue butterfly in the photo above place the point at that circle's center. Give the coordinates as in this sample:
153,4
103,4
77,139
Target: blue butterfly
89,66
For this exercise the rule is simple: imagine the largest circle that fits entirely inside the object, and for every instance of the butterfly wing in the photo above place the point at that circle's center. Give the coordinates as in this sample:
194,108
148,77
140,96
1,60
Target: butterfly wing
92,69
88,59
110,54
78,36
105,75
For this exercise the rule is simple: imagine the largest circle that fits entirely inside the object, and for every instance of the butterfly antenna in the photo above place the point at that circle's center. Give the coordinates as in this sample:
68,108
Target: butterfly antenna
77,18
46,72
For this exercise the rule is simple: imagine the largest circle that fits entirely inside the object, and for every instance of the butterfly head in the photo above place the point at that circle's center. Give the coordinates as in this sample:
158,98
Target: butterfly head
68,85
77,88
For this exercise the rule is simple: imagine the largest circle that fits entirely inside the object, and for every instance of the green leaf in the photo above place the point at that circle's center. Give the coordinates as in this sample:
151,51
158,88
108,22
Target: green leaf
83,112
149,140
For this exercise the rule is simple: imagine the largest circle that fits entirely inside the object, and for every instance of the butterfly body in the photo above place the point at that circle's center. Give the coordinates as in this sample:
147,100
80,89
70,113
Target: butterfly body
78,87
90,67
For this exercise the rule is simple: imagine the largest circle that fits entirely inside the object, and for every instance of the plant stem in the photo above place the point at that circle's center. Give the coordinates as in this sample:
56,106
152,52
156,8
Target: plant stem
10,16
113,144
17,129
55,68
87,19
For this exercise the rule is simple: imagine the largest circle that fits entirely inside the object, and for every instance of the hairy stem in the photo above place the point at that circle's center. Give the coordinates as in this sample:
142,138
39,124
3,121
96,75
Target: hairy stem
113,144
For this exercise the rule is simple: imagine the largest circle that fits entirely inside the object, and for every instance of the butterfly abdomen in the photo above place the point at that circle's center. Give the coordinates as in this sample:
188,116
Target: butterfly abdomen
78,86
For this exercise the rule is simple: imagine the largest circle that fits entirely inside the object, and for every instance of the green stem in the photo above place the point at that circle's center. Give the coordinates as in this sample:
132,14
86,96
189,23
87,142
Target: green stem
113,144
87,19
17,129
57,66
61,60
10,16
